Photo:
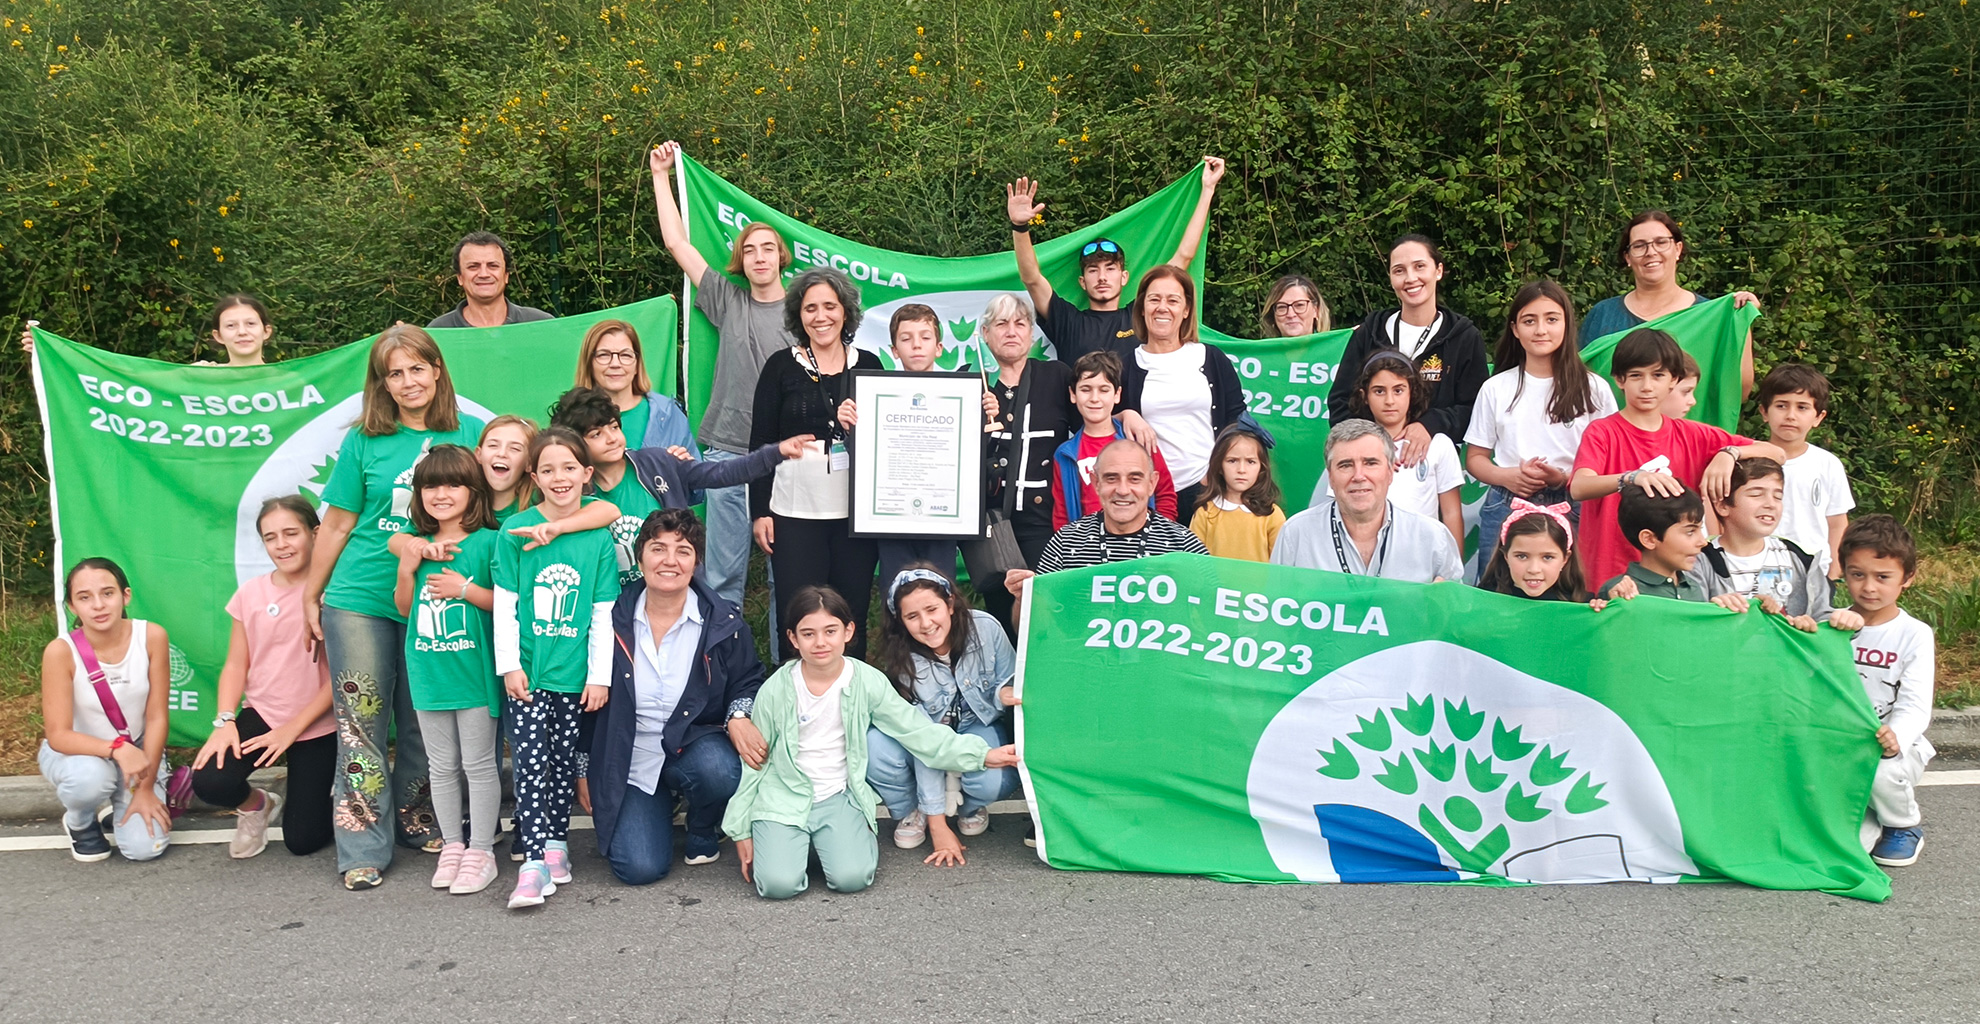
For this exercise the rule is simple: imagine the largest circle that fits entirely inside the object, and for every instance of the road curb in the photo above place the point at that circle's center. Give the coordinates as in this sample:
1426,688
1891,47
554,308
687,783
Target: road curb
26,797
1955,732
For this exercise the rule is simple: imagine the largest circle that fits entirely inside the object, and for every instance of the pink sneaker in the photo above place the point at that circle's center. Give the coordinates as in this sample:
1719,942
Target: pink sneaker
450,865
478,871
558,860
532,885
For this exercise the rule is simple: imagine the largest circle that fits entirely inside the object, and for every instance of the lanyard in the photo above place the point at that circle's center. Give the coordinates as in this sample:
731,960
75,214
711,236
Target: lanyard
1395,335
809,364
1381,553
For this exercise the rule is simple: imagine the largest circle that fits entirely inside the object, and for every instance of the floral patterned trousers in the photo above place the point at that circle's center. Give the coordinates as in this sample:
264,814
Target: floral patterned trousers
376,802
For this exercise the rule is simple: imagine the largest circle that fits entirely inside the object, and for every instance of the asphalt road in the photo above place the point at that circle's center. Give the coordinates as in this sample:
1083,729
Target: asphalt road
195,937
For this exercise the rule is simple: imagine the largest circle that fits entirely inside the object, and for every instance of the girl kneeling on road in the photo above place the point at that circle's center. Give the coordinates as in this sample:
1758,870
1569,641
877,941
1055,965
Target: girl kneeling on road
815,714
104,689
955,665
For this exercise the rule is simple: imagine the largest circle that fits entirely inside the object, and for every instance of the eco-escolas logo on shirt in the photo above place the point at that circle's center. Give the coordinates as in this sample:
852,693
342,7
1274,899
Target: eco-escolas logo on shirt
441,624
554,600
625,530
1446,764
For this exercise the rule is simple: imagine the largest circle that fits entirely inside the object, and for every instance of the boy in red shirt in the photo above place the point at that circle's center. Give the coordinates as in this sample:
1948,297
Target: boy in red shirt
1096,391
1640,444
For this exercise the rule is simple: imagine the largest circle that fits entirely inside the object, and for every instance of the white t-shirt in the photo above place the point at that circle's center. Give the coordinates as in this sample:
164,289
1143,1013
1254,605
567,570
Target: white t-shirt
1815,487
130,684
1772,571
1175,400
1896,663
1417,488
821,753
1410,338
1519,430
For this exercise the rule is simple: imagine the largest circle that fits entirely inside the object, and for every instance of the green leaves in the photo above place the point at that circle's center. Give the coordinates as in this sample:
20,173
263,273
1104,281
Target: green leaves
1374,732
1439,762
1524,806
1478,772
962,329
1340,763
1582,799
1506,745
1398,776
1548,769
1418,715
1462,721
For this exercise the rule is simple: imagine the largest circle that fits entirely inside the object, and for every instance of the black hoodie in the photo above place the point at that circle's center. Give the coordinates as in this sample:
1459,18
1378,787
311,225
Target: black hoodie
1454,366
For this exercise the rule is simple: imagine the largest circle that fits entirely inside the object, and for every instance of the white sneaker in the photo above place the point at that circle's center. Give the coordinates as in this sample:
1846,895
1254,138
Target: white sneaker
975,824
911,831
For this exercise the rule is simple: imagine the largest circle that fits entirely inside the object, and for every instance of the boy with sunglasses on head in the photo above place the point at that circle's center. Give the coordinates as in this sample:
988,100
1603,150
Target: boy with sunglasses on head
1104,326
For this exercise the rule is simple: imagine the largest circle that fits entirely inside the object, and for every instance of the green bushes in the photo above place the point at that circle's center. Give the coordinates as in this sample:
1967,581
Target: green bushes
155,153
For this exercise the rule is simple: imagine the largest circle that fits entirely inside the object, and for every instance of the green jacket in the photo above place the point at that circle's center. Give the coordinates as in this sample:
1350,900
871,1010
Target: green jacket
781,793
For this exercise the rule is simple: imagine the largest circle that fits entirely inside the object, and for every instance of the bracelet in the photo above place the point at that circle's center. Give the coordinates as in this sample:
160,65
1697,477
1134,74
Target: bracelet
1021,229
117,741
1730,450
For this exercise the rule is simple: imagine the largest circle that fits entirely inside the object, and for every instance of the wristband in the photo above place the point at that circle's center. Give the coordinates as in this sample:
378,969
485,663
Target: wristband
1629,478
117,741
1730,450
1021,229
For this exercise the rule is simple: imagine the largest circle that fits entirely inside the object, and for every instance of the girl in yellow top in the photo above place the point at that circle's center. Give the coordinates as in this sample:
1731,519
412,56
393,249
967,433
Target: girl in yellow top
1238,515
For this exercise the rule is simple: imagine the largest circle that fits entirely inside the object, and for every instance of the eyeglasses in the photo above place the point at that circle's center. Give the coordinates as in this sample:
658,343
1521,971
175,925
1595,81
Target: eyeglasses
614,358
1102,245
1292,308
1645,247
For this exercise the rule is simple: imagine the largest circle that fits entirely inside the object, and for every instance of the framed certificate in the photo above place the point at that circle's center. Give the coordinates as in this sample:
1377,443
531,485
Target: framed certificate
917,455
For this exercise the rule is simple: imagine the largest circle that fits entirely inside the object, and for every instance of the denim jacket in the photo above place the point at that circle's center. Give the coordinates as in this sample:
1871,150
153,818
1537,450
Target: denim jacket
976,674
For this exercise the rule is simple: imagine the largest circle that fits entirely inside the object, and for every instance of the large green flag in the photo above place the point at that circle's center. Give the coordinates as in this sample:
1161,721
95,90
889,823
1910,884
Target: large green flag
1285,387
1195,715
956,288
162,466
1714,333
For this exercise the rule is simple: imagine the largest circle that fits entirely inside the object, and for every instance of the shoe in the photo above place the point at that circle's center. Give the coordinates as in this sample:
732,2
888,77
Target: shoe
477,872
251,827
1898,847
532,885
88,844
975,823
433,844
362,878
1031,834
911,831
450,865
557,857
703,851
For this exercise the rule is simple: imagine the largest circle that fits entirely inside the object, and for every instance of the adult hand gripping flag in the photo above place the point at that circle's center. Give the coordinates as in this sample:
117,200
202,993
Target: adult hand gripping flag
1193,715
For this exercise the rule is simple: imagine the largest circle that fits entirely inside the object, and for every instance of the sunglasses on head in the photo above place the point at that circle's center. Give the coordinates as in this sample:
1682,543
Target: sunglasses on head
1102,245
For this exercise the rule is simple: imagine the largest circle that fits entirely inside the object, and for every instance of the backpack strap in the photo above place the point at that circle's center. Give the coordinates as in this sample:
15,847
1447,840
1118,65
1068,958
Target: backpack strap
1717,556
1807,560
94,669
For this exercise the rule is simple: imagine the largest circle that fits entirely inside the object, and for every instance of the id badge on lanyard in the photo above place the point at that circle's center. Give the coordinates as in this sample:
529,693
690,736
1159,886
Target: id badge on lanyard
836,459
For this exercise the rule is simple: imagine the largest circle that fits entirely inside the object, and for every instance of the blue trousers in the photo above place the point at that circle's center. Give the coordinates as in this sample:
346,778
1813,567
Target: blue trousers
705,775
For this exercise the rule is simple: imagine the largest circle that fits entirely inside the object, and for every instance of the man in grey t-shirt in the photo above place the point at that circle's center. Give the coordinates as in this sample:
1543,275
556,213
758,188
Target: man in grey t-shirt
481,265
750,323
1358,532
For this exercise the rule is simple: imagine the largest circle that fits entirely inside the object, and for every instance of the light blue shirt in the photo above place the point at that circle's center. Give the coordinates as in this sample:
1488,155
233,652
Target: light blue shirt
660,676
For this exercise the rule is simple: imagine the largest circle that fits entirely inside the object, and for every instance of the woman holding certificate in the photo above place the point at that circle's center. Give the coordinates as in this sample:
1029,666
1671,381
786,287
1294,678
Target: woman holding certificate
802,516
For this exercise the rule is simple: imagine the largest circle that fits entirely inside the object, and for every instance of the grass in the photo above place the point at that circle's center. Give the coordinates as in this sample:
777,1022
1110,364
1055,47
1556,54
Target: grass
1946,597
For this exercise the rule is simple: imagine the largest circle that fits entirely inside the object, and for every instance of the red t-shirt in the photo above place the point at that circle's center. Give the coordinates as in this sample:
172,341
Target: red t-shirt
1613,445
1089,499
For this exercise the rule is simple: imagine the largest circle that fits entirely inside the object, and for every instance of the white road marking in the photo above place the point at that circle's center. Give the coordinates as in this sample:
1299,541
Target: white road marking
1968,777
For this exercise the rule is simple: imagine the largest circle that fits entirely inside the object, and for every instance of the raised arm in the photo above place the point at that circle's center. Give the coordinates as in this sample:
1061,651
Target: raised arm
1021,205
1192,239
673,230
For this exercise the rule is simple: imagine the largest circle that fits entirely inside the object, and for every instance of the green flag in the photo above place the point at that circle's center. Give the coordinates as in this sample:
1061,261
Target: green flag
956,288
162,467
1285,387
1714,333
1249,722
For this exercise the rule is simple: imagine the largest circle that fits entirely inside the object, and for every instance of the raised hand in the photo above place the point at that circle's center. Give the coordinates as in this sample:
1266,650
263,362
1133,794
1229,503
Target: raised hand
1020,201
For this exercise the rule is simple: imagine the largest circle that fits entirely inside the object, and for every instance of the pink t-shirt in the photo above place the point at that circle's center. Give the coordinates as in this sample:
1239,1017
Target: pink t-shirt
1613,445
281,679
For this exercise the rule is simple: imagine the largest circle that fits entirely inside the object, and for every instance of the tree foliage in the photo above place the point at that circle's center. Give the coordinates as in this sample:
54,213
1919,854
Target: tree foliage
156,153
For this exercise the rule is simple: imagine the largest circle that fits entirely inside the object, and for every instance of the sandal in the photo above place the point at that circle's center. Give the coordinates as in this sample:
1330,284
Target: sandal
362,878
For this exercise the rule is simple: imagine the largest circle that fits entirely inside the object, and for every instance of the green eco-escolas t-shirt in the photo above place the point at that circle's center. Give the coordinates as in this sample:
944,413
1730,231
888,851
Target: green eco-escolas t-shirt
635,503
555,587
450,650
373,478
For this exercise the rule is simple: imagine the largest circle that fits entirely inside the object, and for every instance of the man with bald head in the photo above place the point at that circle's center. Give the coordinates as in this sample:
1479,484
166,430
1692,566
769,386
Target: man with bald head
1357,531
1123,528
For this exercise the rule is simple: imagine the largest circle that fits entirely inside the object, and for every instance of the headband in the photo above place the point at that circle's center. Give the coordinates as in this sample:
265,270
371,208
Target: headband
907,576
1521,508
1383,355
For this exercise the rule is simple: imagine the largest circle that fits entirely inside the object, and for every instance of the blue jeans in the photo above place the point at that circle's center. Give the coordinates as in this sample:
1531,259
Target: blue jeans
729,536
705,775
1492,514
374,804
906,785
85,783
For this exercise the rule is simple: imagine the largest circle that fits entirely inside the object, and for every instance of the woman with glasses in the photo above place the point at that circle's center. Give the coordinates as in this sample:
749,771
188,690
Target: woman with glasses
1294,308
1652,246
611,361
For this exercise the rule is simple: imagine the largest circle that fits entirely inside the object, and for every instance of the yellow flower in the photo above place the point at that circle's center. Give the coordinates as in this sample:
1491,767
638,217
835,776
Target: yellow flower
175,243
1056,15
28,224
918,31
216,250
1076,34
223,211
